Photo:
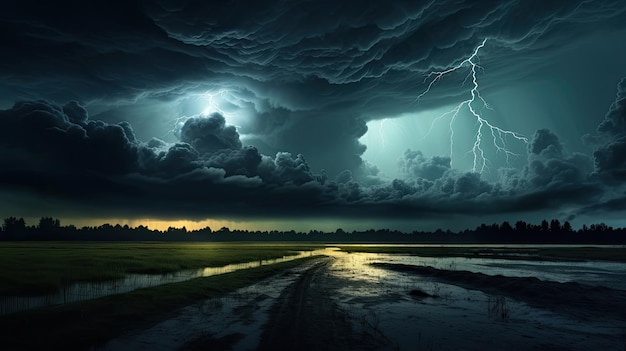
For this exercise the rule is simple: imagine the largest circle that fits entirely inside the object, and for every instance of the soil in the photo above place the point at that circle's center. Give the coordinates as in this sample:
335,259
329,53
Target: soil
344,302
578,300
305,317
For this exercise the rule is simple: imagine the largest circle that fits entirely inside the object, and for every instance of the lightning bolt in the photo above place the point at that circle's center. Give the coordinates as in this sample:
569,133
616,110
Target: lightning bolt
213,105
381,133
498,135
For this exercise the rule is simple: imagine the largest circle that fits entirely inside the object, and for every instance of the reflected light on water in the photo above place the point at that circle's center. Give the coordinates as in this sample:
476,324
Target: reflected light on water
81,291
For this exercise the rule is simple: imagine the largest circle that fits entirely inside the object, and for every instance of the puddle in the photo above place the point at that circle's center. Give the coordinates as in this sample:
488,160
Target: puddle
463,319
241,313
81,291
379,307
594,273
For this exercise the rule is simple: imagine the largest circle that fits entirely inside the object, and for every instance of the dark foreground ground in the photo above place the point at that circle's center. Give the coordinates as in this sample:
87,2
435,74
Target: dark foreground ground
357,301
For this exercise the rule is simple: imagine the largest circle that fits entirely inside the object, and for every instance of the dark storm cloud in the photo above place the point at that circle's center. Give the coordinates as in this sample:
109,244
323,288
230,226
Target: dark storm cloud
415,164
44,150
101,167
545,141
549,166
53,137
209,134
610,139
348,42
308,67
308,75
550,173
550,179
614,124
614,205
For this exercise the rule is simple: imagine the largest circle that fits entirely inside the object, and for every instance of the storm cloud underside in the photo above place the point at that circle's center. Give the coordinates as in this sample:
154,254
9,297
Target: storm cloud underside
195,110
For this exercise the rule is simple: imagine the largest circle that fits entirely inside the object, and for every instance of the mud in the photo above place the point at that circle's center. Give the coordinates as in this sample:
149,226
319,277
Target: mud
306,317
345,302
578,300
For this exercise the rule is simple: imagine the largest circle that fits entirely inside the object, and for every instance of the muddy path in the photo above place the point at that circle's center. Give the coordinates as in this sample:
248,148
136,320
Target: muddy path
344,302
295,310
230,322
305,317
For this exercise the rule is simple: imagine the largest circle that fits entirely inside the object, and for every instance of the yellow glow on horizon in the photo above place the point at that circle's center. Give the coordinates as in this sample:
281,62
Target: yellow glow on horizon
256,224
299,225
163,224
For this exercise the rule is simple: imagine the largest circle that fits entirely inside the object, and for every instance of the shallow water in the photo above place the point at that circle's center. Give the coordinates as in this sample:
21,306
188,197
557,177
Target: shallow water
595,273
242,312
466,319
379,307
81,291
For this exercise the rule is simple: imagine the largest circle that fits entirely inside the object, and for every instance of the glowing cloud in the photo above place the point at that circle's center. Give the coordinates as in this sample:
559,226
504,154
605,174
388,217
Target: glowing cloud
220,101
214,101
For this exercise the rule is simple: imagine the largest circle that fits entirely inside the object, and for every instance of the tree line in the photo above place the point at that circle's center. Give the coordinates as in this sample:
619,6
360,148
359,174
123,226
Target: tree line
547,232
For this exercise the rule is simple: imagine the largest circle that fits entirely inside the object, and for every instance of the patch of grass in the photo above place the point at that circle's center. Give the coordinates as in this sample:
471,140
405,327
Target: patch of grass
498,308
537,253
44,267
81,325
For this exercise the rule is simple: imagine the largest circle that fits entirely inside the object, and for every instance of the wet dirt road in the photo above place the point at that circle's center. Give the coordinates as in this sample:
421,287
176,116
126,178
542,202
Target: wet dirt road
343,302
306,318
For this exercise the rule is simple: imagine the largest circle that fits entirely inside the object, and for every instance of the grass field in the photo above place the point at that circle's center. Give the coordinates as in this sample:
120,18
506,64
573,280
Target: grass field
28,268
81,325
44,267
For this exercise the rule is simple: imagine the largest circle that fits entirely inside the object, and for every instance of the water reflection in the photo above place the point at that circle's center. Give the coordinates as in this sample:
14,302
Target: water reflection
353,267
81,291
379,303
594,273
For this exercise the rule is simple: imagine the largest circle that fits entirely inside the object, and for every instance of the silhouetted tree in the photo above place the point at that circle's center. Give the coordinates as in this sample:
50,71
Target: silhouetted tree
14,225
545,226
506,227
48,225
482,228
520,226
555,226
600,227
567,227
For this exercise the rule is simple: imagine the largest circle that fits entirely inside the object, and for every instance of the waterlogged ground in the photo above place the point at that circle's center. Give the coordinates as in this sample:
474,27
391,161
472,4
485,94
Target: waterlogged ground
344,302
81,291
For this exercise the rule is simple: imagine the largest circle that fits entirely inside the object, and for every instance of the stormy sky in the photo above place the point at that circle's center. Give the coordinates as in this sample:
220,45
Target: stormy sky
314,114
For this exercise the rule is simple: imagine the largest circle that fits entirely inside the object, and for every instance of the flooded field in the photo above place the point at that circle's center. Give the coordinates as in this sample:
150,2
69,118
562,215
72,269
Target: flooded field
82,291
350,301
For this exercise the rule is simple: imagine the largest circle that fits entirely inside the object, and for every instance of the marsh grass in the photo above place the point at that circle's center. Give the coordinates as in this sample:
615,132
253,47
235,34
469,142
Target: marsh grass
424,344
36,268
372,332
498,308
371,321
81,325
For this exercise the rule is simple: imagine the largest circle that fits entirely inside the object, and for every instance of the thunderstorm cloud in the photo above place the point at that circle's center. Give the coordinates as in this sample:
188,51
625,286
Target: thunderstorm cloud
195,109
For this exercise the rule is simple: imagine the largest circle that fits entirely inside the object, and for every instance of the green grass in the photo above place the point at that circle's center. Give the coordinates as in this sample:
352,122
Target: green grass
44,267
83,324
617,254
